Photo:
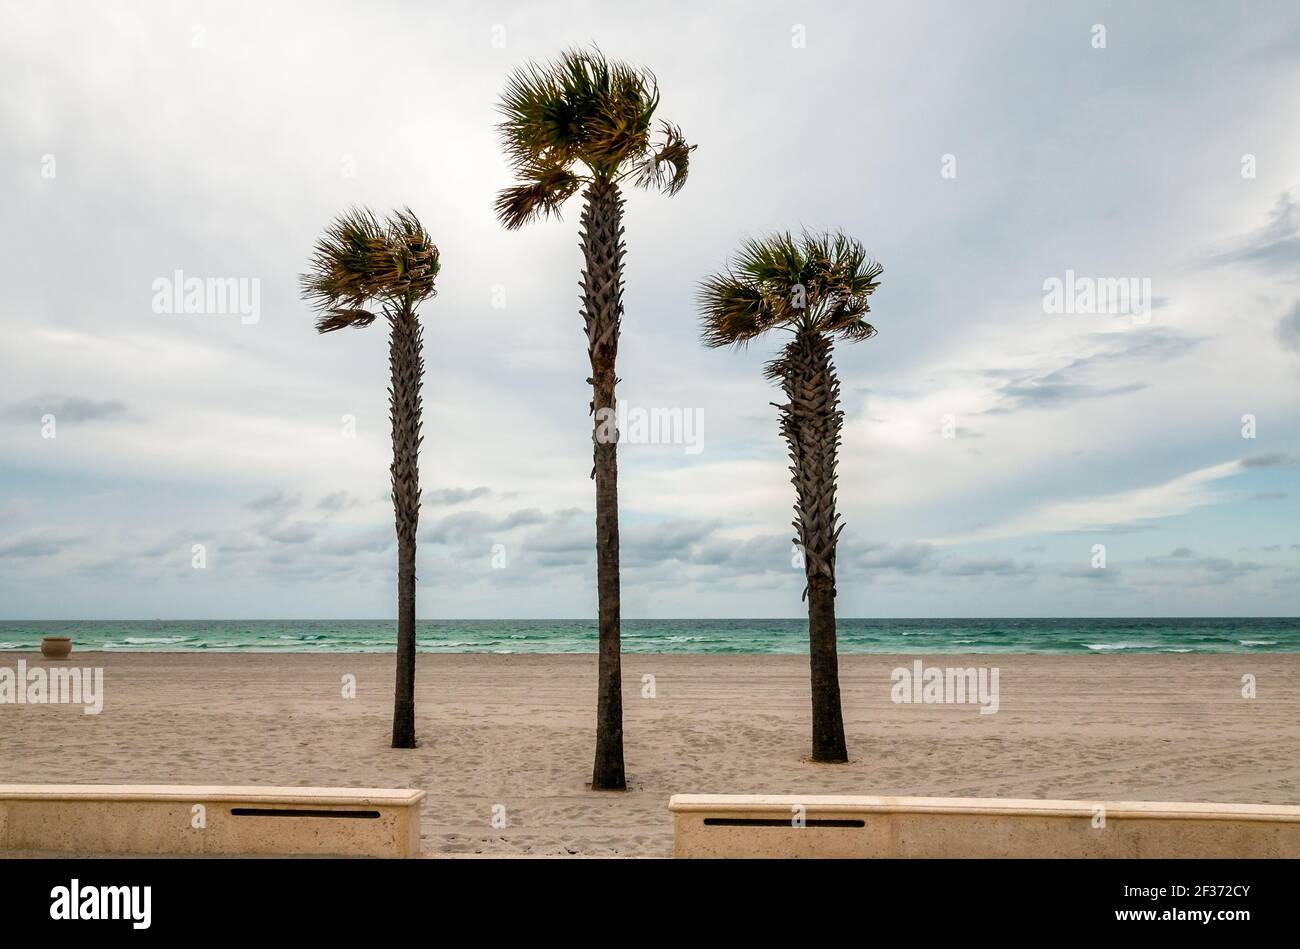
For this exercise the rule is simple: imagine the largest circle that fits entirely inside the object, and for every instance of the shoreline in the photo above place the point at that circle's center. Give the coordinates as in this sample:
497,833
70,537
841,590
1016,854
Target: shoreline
517,731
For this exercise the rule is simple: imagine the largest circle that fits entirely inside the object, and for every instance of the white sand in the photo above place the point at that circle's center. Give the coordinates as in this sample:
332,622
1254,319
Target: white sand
517,731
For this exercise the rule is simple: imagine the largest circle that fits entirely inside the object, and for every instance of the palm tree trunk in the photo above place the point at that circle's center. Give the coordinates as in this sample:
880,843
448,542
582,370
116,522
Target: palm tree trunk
406,363
828,716
602,312
810,422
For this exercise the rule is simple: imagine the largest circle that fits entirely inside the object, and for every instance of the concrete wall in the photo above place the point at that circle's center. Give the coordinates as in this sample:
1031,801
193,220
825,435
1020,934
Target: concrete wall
162,819
849,826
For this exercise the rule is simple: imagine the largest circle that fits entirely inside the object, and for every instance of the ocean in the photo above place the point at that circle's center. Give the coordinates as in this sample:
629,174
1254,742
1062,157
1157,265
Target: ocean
1211,635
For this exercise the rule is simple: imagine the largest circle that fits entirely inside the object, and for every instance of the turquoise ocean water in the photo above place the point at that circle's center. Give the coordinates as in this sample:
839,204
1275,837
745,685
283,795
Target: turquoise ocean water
1216,635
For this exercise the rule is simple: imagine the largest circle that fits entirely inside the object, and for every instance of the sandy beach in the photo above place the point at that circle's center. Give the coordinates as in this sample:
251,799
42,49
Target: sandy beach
517,731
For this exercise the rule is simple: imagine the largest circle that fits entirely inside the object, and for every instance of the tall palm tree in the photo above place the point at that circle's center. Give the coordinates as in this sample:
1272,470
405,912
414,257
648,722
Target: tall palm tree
586,122
816,288
359,268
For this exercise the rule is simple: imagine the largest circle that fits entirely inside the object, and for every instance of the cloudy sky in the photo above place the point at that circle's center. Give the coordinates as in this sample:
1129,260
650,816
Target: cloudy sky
977,150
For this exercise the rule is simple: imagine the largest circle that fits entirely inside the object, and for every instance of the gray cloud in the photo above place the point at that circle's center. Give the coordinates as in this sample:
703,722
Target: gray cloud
44,542
32,547
1077,380
298,532
1097,575
1211,569
984,566
337,501
276,502
1275,246
1044,392
1268,461
906,557
1283,49
1288,329
477,526
376,540
69,409
450,496
755,554
564,541
170,544
658,543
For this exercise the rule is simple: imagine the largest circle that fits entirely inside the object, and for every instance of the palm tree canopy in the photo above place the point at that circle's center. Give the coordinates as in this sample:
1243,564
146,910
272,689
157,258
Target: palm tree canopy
583,118
362,263
817,282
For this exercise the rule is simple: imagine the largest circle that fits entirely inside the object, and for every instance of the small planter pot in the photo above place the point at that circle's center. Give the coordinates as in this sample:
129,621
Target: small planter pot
56,647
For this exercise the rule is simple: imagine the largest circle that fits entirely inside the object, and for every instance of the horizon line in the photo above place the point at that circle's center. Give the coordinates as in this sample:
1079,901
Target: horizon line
637,619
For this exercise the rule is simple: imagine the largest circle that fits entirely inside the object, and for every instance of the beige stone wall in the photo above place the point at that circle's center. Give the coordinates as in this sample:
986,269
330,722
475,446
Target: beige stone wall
845,826
105,819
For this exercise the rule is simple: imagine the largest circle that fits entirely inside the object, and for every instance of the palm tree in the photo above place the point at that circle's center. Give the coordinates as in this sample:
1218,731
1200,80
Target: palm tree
586,122
815,288
358,268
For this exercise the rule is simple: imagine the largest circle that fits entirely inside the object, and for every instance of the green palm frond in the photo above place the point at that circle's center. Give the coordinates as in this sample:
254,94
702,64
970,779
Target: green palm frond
819,281
579,118
361,265
537,123
343,278
735,311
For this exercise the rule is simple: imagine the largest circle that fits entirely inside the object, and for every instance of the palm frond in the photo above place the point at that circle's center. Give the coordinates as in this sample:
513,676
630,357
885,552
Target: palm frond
542,194
582,117
667,164
330,320
538,121
414,258
774,261
818,280
733,311
361,265
618,126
